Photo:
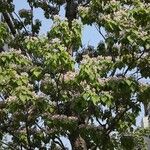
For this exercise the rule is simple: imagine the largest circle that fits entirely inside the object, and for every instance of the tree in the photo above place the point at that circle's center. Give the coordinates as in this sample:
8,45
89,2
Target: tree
44,97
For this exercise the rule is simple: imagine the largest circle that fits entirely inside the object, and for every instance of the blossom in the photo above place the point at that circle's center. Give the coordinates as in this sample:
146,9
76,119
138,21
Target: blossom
56,40
24,74
69,75
11,98
57,17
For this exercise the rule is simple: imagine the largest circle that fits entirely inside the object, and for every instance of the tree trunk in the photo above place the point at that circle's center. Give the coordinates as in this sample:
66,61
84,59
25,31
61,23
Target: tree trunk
77,142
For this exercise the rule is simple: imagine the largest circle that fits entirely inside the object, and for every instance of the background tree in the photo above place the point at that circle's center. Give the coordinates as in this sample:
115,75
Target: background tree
44,97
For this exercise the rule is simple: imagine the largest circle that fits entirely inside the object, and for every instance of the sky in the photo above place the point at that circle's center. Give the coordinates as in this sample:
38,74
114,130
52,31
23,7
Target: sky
90,35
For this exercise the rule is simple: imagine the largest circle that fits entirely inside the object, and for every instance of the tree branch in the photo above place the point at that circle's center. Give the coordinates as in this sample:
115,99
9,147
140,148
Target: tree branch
31,7
9,22
21,22
9,146
99,30
61,143
27,131
116,119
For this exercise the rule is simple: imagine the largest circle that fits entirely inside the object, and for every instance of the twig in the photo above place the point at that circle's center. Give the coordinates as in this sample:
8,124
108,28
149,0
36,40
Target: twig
11,147
139,78
99,122
116,119
62,145
2,97
86,3
21,22
99,30
56,142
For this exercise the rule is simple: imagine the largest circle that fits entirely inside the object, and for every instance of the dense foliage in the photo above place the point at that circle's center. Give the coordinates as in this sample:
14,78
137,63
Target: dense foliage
53,90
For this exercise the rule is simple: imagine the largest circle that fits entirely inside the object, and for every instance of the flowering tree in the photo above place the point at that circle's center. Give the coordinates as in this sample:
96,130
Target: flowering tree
45,98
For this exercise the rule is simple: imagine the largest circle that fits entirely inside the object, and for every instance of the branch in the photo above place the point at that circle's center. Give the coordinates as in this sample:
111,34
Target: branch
31,6
9,146
18,140
142,53
116,119
61,143
136,72
139,78
99,30
2,104
58,92
9,22
99,122
2,97
8,19
27,131
127,70
86,3
21,22
113,72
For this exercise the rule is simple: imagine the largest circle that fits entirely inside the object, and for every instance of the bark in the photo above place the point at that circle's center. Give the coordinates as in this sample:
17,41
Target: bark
77,142
147,109
8,19
71,10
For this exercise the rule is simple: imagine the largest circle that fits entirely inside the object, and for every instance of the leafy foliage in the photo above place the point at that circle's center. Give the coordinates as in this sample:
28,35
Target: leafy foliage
93,98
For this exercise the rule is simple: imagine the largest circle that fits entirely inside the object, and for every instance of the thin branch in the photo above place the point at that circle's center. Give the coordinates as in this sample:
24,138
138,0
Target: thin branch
141,55
21,147
13,134
137,71
40,127
9,22
2,97
56,142
86,3
99,122
139,78
99,30
21,22
116,119
12,18
129,67
9,146
27,130
62,145
113,72
32,19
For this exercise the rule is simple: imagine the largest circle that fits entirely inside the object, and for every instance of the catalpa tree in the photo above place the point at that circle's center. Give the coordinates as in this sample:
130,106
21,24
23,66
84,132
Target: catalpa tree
55,94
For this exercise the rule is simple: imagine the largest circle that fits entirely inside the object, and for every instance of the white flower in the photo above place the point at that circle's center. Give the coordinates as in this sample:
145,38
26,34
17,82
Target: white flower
69,75
57,17
56,40
24,74
11,98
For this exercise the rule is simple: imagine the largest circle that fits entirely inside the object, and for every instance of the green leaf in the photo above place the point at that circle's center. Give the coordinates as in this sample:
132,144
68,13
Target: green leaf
128,82
129,38
36,72
22,97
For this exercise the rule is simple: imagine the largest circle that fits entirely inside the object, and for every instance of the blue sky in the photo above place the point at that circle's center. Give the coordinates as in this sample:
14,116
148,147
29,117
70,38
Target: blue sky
90,34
